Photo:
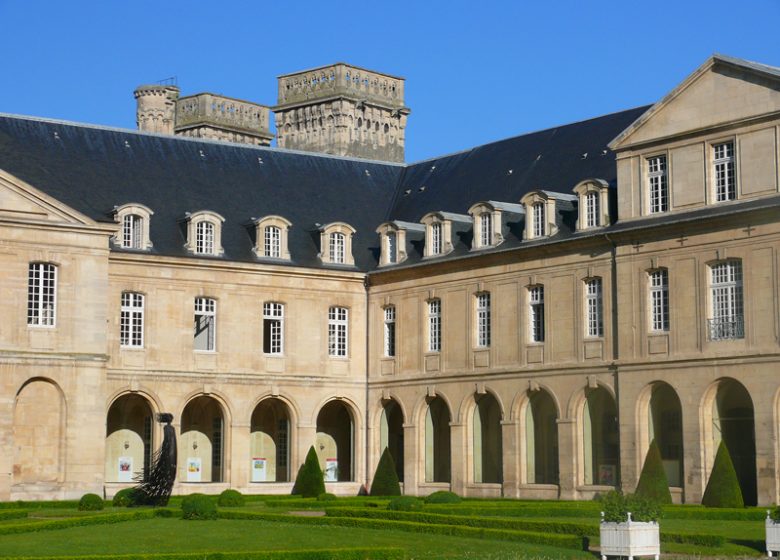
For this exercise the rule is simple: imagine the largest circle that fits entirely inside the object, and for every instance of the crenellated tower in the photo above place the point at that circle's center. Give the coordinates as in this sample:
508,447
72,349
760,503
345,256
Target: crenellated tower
342,110
156,108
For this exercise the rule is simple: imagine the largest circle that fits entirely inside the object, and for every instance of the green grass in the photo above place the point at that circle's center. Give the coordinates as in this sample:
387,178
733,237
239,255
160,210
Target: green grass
176,535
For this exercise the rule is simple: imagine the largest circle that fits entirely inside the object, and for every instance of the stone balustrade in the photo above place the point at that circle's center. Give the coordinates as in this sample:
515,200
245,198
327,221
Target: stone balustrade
223,111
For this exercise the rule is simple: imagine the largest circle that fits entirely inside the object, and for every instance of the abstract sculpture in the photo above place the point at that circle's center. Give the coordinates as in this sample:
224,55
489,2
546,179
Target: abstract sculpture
154,487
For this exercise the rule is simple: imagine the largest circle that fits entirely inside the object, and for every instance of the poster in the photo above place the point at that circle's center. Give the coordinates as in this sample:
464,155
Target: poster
607,475
331,470
258,469
125,469
193,469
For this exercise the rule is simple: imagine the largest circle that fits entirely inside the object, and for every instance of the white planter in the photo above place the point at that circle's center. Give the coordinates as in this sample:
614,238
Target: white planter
630,538
772,535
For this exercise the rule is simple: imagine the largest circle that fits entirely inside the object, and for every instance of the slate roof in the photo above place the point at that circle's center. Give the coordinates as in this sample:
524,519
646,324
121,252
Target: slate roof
93,169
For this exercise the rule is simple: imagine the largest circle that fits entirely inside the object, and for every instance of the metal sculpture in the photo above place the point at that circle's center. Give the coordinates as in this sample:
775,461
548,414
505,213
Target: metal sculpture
154,487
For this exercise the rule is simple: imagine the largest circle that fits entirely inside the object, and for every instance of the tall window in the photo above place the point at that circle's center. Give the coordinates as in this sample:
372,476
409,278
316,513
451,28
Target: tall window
41,294
338,320
483,320
592,209
390,331
659,300
434,325
725,180
131,320
594,308
204,238
436,239
337,248
485,229
392,247
536,313
272,242
657,180
132,231
205,324
273,328
726,295
538,219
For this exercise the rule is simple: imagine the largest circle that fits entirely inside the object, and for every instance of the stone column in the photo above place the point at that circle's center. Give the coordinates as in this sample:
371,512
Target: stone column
763,417
511,456
694,472
239,455
567,458
6,441
411,460
307,436
458,458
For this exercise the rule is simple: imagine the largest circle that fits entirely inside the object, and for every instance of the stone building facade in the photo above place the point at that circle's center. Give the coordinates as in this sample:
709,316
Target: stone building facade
520,319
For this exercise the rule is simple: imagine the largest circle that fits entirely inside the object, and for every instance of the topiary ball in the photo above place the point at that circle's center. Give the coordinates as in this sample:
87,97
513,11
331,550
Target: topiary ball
442,497
91,502
123,498
231,498
198,506
405,503
326,497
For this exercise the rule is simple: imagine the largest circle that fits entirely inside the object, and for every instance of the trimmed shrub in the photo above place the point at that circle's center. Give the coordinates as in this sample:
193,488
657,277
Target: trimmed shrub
405,503
443,497
366,553
385,482
198,506
723,487
13,514
309,483
616,507
81,521
653,483
124,498
91,502
326,497
230,498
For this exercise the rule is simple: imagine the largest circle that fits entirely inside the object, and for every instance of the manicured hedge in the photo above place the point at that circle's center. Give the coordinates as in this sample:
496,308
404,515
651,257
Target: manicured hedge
375,553
309,503
64,504
561,541
13,514
100,519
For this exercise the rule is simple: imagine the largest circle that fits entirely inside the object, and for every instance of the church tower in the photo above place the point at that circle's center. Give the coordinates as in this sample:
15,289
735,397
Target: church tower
342,110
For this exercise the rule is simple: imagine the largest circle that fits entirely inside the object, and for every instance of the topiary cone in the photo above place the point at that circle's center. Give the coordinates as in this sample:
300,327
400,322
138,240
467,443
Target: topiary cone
385,482
653,483
723,486
309,483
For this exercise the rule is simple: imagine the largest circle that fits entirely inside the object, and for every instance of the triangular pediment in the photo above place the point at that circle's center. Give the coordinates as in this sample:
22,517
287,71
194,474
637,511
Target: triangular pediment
723,90
22,201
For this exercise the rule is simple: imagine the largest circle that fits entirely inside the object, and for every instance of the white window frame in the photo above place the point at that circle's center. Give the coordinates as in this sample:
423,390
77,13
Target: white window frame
657,183
594,308
338,332
483,319
391,246
485,229
658,287
536,313
434,325
538,211
592,209
131,320
727,309
724,171
204,237
42,294
337,242
389,331
437,238
272,241
205,316
273,328
132,231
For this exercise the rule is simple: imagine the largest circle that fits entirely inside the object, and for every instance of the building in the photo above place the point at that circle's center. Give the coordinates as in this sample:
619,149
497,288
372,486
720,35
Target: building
519,319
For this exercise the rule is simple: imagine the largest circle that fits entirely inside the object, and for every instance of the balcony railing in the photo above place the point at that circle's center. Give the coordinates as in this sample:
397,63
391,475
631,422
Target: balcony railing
728,328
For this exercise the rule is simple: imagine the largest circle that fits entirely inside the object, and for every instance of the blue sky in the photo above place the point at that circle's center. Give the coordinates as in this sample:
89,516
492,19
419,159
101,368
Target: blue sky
475,71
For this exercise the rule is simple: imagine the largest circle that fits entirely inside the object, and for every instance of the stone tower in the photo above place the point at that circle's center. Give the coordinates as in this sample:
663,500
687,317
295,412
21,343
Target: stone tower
343,110
156,108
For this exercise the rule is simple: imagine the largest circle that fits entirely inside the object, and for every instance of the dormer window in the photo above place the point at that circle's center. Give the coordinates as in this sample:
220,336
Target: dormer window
392,240
490,222
271,237
134,226
336,243
439,230
436,239
593,195
538,220
204,233
486,229
541,211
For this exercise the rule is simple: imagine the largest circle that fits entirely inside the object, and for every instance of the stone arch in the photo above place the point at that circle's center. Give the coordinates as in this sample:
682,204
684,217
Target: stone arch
437,449
270,435
335,445
538,415
391,432
468,402
727,414
39,427
599,452
202,447
130,429
659,417
486,438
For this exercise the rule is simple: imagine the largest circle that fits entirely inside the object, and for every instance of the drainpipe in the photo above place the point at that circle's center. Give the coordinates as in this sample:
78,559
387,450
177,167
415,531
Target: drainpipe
366,443
615,345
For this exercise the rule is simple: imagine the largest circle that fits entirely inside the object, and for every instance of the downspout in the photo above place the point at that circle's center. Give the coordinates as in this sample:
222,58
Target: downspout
615,346
366,285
